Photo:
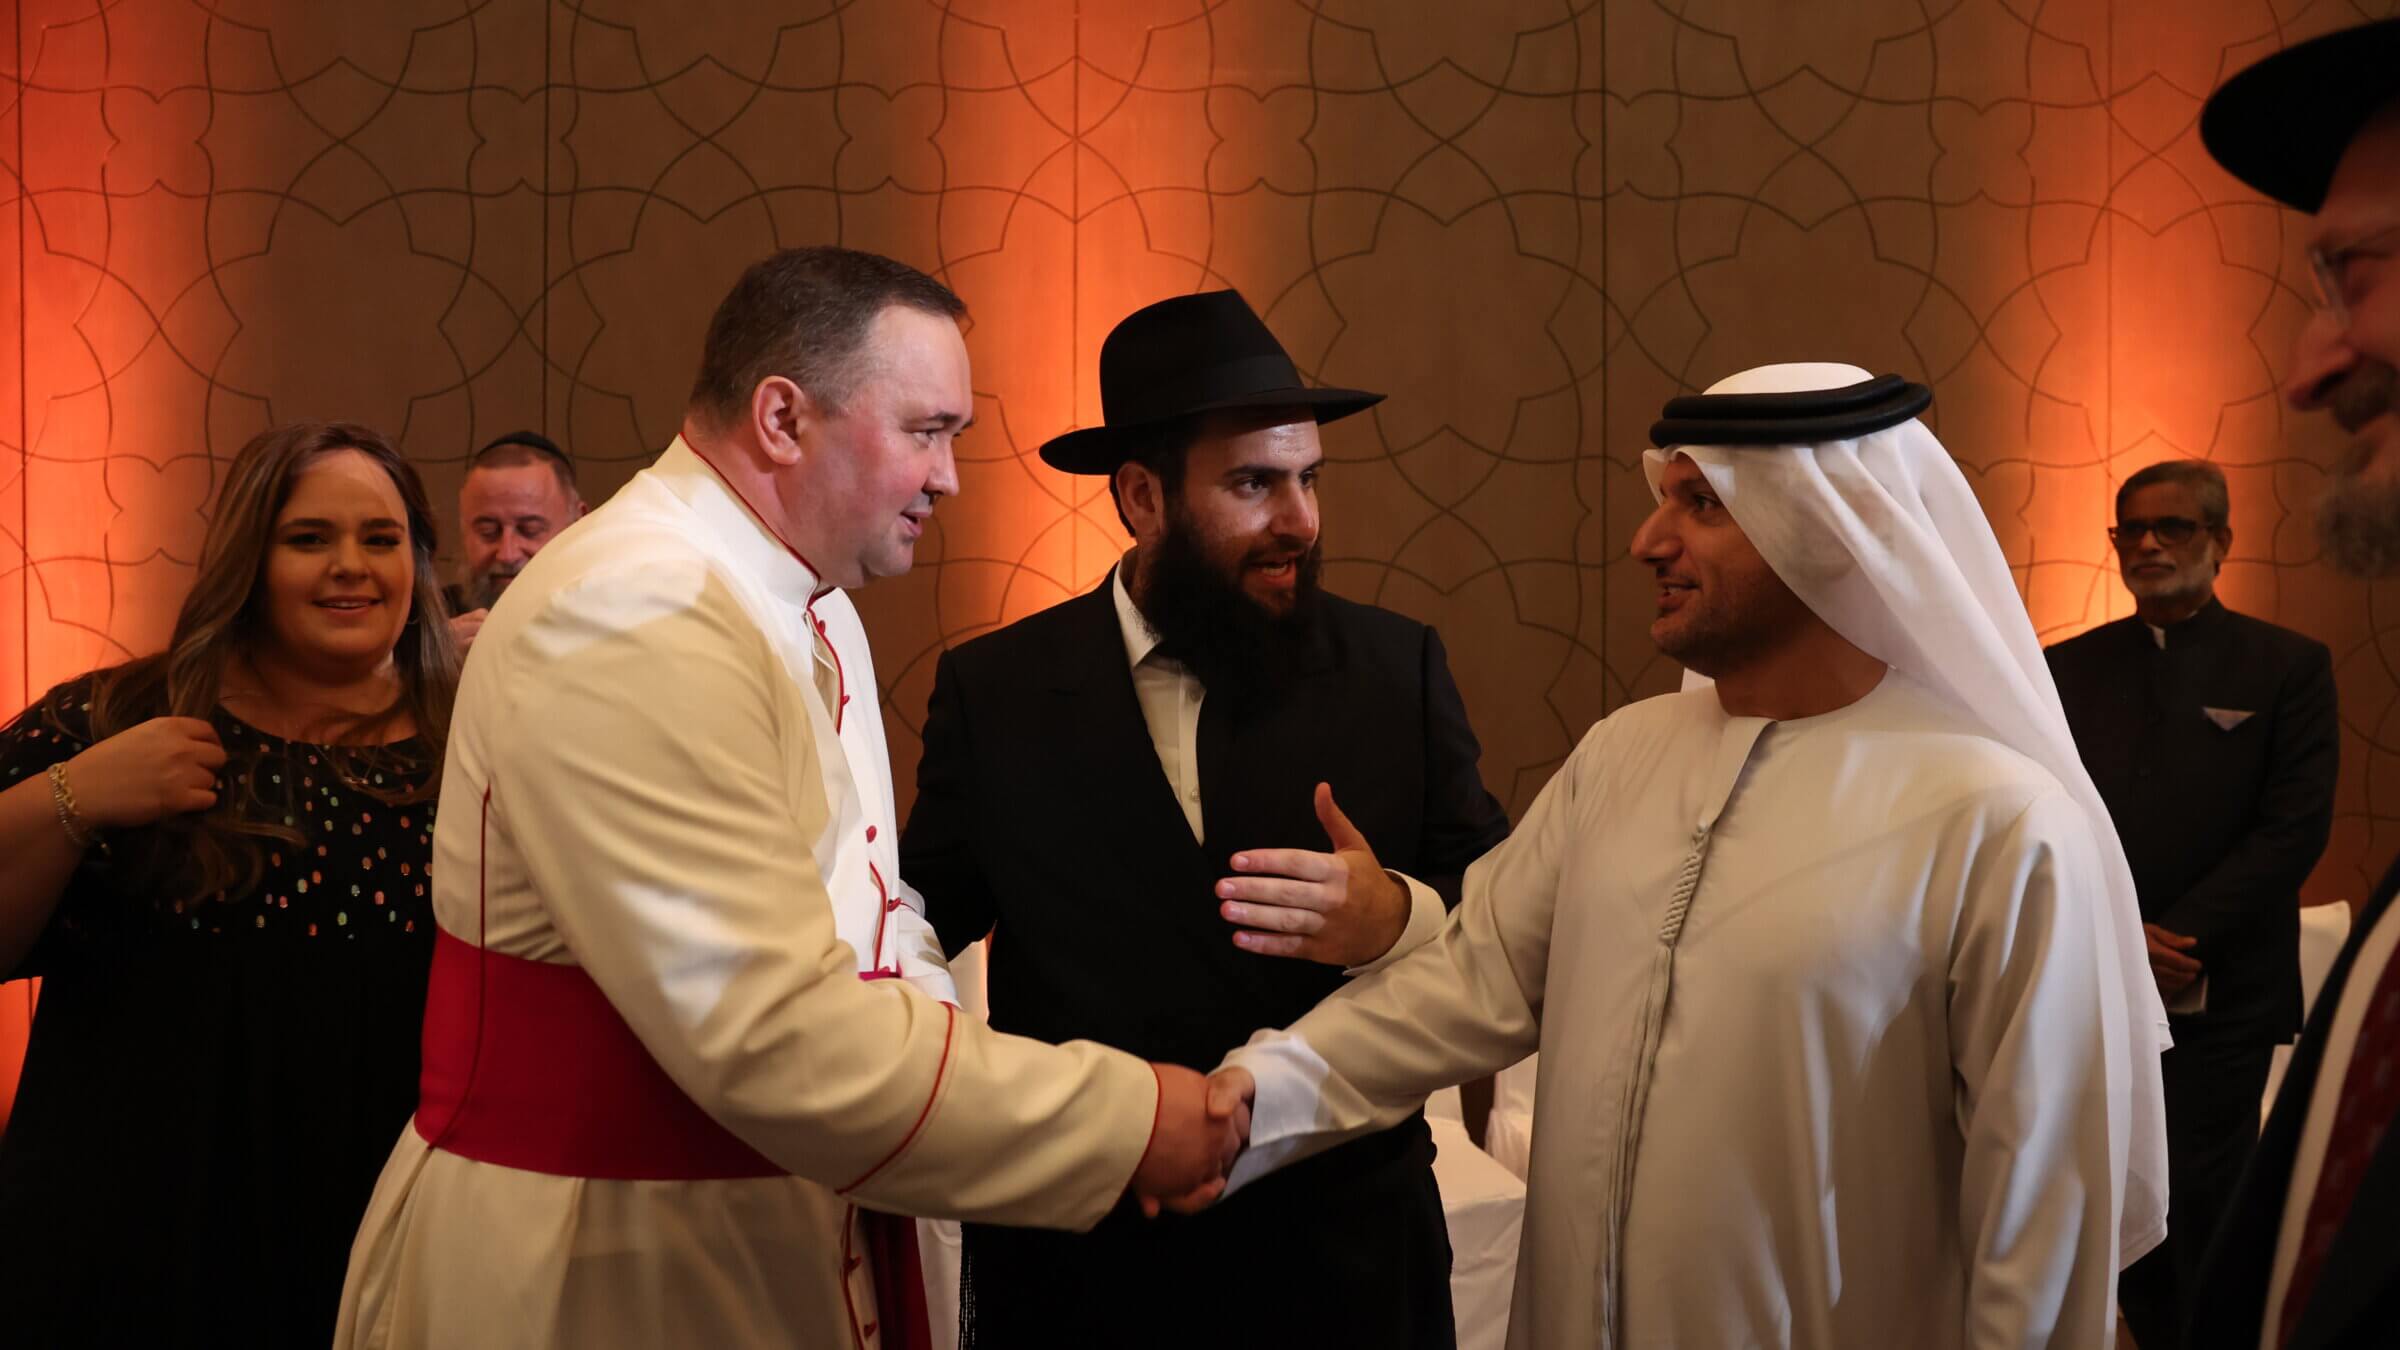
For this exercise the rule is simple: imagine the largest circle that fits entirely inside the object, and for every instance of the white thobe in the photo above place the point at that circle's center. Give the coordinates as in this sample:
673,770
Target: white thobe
1825,1061
641,775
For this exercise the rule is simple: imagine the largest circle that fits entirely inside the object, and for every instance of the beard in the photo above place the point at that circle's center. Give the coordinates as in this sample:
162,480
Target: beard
1737,625
1206,621
2358,522
483,586
2186,582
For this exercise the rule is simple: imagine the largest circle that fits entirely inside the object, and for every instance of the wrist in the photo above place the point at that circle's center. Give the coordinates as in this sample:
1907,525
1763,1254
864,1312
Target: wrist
72,822
1399,907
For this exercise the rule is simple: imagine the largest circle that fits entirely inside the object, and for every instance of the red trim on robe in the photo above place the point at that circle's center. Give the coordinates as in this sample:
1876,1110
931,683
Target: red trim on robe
940,1072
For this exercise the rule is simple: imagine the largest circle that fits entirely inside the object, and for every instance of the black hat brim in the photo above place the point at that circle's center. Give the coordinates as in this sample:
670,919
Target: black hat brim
2281,125
1101,449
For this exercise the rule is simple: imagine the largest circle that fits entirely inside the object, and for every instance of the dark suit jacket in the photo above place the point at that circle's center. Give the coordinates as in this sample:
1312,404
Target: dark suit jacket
2220,825
2356,1305
1043,818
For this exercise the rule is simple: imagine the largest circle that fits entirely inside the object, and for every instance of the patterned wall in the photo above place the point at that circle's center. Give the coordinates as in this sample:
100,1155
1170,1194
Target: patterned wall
1532,219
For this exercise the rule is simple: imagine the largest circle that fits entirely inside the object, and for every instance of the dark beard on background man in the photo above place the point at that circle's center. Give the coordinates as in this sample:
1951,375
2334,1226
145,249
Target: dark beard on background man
2358,522
1204,619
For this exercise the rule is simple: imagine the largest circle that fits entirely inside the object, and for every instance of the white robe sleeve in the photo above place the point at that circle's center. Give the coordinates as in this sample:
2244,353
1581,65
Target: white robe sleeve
917,950
2036,1044
1465,1004
649,788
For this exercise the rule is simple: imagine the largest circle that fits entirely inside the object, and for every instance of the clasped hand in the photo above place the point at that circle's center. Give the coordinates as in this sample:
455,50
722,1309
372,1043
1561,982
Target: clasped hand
2171,961
1203,1124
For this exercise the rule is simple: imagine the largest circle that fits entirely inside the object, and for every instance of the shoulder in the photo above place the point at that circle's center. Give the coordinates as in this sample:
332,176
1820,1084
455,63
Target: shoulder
1658,712
656,599
1649,727
61,712
2293,645
1036,641
1372,622
57,726
1372,638
2092,645
2044,822
1931,756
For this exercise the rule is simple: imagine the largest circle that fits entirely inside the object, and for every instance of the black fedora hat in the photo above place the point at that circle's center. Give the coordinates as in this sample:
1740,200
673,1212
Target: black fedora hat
2281,125
1192,354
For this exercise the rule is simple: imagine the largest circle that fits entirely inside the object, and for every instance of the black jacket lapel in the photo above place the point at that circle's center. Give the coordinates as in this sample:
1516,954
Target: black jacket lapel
1104,741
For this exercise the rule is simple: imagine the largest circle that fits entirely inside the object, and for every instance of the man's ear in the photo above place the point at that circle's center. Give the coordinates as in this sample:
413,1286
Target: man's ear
782,416
2224,535
1143,495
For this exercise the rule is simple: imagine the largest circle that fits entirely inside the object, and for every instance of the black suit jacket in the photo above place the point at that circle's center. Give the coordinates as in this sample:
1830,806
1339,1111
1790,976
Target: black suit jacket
2356,1305
2220,825
1043,818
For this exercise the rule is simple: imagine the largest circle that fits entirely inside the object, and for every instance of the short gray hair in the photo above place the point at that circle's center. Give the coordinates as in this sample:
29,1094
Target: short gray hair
2206,481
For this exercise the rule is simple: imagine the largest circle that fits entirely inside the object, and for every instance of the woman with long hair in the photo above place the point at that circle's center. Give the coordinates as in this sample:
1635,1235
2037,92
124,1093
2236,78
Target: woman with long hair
216,860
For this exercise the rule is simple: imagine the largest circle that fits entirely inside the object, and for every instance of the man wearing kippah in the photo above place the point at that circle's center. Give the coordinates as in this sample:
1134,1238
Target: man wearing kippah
518,494
1834,966
2308,1255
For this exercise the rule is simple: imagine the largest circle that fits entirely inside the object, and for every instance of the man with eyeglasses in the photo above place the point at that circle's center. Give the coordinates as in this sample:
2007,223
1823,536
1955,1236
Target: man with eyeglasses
2212,738
2308,1256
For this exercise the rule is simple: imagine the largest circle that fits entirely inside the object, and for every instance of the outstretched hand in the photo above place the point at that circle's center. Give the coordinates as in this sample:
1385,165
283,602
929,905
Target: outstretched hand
1340,908
1200,1129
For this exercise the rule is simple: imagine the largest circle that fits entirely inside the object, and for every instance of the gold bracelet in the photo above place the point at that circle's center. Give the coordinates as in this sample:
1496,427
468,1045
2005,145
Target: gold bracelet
62,798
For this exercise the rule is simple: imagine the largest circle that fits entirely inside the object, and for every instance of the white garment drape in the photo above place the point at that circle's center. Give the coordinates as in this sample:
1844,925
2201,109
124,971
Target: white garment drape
1884,540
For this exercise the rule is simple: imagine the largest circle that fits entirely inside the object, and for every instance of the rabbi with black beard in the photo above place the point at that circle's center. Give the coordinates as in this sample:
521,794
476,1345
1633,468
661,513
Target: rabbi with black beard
1156,799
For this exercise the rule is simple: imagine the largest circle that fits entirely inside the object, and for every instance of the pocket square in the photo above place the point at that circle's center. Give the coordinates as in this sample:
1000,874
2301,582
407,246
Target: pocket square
2226,718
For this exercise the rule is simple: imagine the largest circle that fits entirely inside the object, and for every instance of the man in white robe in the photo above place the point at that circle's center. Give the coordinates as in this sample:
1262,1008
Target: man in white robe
657,1089
1827,964
876,913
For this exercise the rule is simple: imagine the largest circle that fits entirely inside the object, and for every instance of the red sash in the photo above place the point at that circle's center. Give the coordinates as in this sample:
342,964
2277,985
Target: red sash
527,1065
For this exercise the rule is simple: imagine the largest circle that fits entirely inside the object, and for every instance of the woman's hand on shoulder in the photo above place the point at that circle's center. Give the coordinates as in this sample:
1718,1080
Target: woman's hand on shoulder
164,767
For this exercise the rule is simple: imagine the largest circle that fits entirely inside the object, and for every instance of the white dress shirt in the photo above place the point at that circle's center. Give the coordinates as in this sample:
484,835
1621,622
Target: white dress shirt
2382,944
1170,697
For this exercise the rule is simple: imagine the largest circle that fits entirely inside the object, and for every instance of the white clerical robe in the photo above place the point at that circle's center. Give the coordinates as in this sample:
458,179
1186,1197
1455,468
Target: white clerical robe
875,911
1826,1058
643,781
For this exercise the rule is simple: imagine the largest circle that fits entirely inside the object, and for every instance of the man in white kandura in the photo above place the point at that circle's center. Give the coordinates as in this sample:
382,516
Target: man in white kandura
1835,971
679,1029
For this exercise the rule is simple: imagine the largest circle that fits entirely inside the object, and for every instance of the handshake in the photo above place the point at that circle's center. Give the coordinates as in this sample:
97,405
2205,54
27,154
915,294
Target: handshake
1203,1124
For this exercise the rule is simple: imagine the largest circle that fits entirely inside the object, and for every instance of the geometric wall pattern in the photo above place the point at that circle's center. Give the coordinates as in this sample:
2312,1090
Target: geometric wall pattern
1532,220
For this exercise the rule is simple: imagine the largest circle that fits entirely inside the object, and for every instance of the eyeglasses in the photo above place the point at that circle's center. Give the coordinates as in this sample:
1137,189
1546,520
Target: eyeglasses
2336,288
2172,531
